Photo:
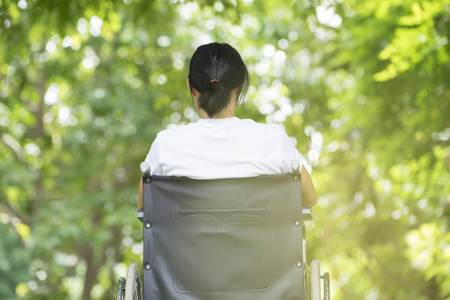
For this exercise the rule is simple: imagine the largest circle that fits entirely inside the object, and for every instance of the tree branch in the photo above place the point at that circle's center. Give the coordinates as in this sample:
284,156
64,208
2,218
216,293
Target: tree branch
6,207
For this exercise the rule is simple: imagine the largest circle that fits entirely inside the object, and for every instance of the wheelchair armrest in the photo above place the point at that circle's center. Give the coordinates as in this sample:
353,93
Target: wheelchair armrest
307,213
140,215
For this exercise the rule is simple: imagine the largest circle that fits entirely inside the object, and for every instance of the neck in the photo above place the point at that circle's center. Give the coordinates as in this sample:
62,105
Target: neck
227,112
223,114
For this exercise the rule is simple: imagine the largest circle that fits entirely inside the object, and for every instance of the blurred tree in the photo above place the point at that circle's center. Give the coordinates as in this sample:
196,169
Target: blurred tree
384,165
360,86
14,260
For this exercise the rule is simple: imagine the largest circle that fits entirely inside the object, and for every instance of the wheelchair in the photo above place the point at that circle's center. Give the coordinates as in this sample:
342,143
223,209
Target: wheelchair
223,239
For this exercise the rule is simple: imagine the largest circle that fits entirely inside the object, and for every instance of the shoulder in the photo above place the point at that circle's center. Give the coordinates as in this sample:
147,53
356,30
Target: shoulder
170,132
271,133
264,127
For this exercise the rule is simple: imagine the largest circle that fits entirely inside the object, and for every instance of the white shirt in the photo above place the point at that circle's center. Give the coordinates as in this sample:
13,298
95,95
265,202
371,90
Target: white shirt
222,148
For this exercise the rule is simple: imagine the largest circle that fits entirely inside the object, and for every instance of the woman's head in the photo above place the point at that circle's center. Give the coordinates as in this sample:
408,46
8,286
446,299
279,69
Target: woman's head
215,71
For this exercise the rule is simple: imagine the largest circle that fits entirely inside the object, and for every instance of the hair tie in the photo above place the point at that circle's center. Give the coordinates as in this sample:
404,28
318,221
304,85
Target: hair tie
214,80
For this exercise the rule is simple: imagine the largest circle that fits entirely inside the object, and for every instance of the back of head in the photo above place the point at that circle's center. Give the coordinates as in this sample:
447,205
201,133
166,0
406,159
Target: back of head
215,70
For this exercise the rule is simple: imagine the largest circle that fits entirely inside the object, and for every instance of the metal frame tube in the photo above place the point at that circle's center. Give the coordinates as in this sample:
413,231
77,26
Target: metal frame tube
326,286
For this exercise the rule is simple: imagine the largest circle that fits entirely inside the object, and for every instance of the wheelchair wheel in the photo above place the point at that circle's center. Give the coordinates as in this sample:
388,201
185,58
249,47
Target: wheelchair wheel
133,284
315,280
120,289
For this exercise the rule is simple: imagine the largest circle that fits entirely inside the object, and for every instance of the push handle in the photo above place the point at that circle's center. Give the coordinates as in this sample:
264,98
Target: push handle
145,168
295,166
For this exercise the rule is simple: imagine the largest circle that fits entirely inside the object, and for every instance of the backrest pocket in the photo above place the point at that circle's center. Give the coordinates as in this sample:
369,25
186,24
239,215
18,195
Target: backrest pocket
223,250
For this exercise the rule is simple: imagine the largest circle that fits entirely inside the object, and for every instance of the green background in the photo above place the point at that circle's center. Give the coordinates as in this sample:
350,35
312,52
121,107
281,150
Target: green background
361,86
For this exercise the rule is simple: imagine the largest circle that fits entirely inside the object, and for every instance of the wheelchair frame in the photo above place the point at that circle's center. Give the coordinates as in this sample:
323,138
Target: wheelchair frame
131,287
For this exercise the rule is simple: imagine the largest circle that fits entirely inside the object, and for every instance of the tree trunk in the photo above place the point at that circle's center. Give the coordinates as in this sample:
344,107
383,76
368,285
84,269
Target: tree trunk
38,133
93,262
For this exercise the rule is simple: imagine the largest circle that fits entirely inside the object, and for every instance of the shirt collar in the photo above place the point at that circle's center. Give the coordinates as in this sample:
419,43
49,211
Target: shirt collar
217,122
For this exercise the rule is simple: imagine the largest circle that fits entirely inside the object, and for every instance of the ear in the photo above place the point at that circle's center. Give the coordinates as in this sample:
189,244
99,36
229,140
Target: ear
193,91
189,86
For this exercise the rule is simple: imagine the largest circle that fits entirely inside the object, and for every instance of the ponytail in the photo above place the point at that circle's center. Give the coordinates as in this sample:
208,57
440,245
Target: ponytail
214,99
215,70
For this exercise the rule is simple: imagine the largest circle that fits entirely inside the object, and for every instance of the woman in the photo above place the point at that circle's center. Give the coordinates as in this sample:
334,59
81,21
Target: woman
220,145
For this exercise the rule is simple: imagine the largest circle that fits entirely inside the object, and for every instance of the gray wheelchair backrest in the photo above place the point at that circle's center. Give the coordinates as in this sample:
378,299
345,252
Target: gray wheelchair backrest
223,239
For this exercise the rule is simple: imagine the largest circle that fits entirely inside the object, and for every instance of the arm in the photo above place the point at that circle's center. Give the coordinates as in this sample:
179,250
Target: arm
155,169
141,195
288,153
309,197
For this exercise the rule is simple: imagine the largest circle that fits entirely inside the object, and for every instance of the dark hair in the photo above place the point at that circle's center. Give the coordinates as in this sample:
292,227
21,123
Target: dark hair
223,63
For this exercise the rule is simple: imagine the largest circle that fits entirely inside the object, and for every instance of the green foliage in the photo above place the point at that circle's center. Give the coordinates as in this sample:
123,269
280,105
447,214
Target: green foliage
360,86
429,252
13,263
